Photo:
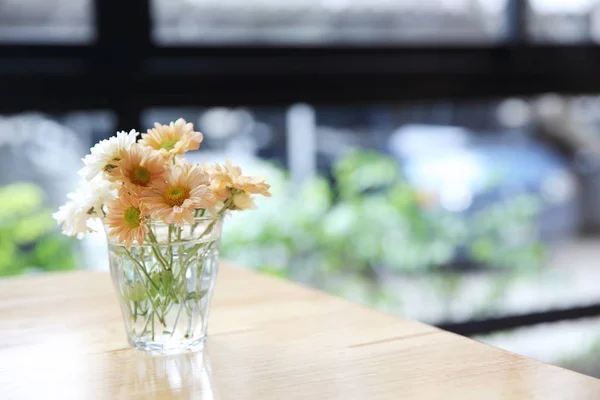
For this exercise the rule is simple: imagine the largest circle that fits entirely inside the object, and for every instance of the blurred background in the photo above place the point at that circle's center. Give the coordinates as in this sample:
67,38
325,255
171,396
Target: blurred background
435,159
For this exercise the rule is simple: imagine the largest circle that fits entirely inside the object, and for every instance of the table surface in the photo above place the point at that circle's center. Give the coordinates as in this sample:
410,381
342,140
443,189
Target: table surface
61,336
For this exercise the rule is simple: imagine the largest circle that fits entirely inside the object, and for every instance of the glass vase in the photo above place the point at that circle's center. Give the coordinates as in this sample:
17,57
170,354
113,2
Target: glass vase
165,285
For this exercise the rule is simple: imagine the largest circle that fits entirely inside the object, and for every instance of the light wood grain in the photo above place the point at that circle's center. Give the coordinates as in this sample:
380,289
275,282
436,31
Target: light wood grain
61,336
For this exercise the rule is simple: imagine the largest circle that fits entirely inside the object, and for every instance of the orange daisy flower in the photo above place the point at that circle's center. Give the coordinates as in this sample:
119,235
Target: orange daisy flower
139,167
175,199
126,219
242,201
228,177
175,138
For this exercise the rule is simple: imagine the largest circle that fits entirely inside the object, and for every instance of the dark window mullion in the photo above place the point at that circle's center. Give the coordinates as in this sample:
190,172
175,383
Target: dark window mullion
122,45
516,14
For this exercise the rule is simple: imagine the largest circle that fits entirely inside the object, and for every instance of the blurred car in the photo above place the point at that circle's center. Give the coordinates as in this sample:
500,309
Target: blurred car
466,172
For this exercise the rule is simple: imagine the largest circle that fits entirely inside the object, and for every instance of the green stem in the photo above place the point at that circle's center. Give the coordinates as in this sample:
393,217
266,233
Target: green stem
189,327
212,224
177,318
182,269
140,268
226,206
152,316
194,249
180,247
143,258
191,253
143,270
146,324
155,250
154,284
170,248
197,214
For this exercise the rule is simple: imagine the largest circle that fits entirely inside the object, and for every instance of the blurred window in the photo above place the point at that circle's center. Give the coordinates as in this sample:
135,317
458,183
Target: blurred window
454,202
569,344
46,21
321,22
243,131
39,159
563,22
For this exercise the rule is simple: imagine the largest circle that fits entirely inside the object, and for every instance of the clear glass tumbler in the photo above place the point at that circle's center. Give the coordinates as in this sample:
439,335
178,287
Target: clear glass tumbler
166,284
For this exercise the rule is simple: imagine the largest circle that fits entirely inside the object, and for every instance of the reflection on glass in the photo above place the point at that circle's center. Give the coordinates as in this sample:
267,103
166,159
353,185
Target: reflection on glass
182,376
327,21
46,21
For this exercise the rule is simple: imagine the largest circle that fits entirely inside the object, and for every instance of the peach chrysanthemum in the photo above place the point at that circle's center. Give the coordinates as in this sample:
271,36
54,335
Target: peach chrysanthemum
126,220
139,167
175,138
227,178
242,201
174,199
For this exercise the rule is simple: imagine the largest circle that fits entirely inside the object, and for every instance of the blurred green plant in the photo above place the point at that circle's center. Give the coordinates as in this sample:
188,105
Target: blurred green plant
374,223
505,234
29,240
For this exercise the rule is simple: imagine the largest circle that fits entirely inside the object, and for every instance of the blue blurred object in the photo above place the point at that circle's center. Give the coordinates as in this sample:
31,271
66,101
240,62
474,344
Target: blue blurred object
467,172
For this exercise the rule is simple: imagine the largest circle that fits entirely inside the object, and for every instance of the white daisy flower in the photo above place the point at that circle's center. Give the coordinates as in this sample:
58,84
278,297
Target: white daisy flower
73,220
105,153
84,205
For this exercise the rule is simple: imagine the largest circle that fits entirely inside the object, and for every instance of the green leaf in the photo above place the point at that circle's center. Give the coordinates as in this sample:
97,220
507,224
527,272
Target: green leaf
196,296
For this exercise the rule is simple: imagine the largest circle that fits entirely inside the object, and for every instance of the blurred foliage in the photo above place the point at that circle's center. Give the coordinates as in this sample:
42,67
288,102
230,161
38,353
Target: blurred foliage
505,233
372,222
29,240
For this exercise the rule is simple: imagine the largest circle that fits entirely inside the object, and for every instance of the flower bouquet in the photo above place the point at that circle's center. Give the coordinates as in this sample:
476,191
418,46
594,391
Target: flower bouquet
163,218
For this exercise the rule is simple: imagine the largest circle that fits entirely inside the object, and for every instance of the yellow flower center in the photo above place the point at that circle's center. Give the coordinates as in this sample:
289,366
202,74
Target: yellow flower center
132,217
168,145
140,176
176,195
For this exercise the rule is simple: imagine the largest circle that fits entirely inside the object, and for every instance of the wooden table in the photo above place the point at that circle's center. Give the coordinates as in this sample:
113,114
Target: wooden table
61,336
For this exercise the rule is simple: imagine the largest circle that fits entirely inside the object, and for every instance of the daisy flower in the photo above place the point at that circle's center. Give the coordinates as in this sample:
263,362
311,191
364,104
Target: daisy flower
175,138
73,220
174,199
105,154
242,201
126,219
139,167
227,179
85,203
